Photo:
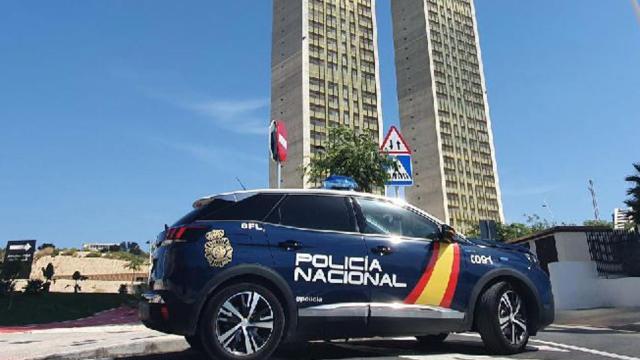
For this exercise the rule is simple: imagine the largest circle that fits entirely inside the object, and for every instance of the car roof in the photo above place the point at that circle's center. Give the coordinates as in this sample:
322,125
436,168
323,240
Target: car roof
243,194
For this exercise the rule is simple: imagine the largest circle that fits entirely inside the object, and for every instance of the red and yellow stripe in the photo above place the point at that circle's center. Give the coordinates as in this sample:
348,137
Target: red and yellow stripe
437,285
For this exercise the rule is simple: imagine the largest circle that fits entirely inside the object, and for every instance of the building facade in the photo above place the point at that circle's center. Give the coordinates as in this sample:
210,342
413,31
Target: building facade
324,72
444,113
622,218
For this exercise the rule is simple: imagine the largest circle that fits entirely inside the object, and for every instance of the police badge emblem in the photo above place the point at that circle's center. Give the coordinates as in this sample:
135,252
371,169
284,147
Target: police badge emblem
217,249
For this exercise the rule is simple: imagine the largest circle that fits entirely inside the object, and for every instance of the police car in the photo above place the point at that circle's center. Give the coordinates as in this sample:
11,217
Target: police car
246,271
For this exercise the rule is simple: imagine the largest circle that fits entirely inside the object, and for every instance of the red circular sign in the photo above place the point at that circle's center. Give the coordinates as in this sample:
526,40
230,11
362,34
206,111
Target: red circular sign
278,141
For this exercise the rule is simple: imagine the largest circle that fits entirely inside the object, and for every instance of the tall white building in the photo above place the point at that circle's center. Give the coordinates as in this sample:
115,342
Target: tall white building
444,113
324,72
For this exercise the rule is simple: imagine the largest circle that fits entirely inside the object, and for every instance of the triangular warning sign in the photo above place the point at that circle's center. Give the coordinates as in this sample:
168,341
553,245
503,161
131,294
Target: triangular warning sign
394,143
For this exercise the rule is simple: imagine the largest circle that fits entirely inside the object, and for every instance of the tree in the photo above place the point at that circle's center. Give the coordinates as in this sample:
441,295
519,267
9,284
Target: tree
77,277
48,273
135,264
46,246
352,153
634,192
598,223
506,232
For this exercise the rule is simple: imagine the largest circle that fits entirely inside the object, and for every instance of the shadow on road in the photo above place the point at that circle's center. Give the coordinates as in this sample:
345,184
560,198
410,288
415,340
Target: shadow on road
387,348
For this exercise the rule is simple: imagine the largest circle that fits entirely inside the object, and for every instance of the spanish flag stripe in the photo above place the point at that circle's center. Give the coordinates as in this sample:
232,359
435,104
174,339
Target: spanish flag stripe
453,280
417,290
436,287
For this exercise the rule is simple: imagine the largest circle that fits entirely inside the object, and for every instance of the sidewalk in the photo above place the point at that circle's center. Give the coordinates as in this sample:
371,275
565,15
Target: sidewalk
121,315
613,318
87,343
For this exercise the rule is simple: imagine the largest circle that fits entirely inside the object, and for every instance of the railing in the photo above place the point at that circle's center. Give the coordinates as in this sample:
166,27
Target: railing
615,252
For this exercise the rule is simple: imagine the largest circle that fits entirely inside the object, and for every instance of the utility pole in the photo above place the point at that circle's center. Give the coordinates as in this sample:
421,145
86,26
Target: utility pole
594,200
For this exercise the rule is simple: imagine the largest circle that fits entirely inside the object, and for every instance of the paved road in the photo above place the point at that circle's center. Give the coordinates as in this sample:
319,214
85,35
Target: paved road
557,342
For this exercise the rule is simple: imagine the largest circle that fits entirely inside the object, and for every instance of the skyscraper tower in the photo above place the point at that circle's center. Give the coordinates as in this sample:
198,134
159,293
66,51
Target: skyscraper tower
324,72
444,113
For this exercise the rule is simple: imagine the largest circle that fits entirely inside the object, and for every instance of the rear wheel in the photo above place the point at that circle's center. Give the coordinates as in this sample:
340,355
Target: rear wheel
432,340
243,321
501,319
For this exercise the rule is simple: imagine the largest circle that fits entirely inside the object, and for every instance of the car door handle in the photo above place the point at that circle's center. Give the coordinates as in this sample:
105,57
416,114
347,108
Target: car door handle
290,245
382,250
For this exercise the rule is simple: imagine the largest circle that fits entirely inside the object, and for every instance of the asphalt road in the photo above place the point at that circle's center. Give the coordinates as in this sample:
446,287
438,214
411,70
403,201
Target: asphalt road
557,342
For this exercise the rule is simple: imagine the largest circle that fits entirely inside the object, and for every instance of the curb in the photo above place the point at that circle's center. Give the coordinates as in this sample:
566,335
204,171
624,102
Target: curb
134,348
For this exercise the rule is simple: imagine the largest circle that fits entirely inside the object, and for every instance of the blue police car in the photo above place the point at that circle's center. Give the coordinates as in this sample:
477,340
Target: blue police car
248,270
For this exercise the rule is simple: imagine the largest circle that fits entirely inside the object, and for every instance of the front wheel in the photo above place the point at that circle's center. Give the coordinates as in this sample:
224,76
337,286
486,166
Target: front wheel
243,321
501,319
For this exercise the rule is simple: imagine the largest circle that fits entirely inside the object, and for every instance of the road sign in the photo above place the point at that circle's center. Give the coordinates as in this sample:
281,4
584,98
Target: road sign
278,141
402,176
394,143
18,258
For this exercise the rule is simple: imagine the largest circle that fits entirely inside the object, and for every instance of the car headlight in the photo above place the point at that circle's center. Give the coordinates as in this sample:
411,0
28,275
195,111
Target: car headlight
532,258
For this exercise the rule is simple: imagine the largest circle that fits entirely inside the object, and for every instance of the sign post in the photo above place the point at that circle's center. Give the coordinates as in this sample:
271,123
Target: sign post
18,258
278,146
397,148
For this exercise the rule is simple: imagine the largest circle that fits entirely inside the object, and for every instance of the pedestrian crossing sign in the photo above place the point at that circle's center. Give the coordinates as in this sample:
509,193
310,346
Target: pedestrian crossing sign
401,174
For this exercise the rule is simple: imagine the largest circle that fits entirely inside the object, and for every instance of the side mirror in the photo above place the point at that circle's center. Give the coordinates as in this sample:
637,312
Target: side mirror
447,234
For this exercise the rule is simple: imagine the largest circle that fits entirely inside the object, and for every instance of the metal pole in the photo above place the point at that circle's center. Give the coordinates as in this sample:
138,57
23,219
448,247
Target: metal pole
397,192
279,174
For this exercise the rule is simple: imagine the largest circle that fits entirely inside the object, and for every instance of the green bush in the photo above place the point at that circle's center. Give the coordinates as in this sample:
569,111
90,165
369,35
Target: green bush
36,287
6,287
93,254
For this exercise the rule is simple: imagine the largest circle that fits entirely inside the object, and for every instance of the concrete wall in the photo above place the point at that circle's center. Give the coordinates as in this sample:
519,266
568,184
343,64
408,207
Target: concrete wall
576,285
572,246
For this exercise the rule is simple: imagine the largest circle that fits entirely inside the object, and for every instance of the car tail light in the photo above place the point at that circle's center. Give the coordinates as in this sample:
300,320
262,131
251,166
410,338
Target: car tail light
183,233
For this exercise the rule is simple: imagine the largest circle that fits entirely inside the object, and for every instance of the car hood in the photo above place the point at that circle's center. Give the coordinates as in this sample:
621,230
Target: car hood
501,245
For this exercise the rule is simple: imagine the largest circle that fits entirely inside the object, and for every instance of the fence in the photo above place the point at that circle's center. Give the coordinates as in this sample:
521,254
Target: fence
615,252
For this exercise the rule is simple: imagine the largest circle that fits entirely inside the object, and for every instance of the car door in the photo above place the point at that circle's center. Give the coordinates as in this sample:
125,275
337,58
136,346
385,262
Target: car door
313,239
418,272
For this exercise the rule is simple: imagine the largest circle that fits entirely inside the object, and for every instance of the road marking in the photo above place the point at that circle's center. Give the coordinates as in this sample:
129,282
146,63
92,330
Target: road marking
587,350
589,328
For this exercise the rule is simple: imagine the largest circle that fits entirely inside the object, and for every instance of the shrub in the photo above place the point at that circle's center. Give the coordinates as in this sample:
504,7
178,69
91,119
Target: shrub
35,287
93,254
123,289
6,287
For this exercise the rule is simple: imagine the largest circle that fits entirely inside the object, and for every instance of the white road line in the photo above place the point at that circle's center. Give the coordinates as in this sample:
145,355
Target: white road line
572,347
587,350
589,328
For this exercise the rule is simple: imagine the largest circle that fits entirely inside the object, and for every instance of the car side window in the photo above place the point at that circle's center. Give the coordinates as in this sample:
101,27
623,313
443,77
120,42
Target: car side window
384,218
315,212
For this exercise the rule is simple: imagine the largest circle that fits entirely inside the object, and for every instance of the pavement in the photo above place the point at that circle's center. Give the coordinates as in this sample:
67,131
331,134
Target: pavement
577,335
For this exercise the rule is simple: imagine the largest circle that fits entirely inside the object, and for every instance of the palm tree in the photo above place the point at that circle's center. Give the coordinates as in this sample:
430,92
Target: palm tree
135,264
634,191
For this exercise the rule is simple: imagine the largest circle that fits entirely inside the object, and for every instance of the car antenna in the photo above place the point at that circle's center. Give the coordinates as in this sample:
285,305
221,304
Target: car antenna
241,184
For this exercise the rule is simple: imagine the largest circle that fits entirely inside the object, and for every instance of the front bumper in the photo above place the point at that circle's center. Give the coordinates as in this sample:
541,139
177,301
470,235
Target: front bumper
162,312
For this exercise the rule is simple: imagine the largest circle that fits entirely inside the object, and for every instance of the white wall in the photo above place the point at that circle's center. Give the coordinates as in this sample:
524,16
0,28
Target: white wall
572,246
576,285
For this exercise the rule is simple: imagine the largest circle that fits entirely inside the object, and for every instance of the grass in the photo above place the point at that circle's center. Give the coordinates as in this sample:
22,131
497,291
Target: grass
51,307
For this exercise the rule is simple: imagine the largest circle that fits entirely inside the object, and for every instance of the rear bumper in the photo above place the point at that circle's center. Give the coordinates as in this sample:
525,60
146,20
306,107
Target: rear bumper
162,312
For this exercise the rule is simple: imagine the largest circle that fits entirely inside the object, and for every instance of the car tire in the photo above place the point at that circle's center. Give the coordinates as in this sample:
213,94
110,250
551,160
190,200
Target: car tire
242,322
501,319
432,340
194,342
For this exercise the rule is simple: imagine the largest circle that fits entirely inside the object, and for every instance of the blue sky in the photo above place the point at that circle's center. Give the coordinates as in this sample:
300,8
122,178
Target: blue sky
116,115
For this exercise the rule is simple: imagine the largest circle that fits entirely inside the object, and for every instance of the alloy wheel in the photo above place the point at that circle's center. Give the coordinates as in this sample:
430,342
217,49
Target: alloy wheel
511,317
244,323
